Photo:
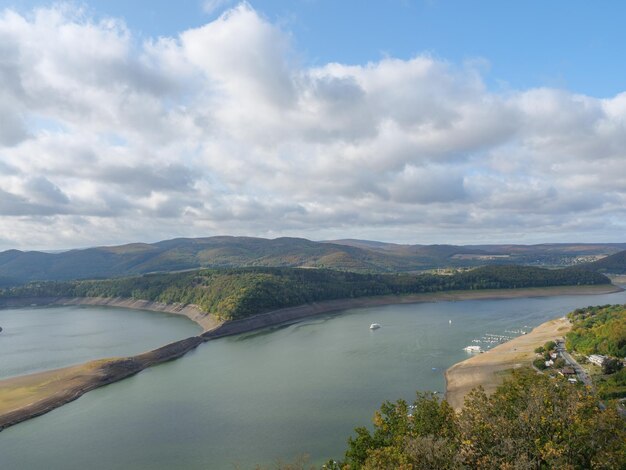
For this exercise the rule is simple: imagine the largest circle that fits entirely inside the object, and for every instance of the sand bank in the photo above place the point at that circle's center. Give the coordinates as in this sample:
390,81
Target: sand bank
488,369
25,397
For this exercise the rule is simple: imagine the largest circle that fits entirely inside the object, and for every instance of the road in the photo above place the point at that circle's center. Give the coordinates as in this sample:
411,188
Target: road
583,376
580,372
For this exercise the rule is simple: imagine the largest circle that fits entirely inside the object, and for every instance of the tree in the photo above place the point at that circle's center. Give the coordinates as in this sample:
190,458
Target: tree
549,346
611,365
529,422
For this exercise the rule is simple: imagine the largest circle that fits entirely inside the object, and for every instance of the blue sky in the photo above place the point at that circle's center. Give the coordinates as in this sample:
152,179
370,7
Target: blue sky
405,121
569,44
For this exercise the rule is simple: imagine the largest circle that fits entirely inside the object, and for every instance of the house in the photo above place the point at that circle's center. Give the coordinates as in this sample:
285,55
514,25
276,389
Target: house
597,359
567,371
549,363
554,355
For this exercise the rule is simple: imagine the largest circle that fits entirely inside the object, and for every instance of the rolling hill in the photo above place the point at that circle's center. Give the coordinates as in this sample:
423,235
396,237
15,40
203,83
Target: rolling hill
613,264
234,293
228,252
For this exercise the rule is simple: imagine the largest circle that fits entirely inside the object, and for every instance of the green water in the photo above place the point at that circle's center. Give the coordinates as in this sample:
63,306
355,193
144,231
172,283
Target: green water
36,339
271,394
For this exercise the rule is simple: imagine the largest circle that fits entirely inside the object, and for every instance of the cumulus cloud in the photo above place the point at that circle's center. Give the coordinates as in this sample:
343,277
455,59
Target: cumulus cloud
106,138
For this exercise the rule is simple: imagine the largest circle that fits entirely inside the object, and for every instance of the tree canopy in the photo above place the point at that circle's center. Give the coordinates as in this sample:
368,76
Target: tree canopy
239,292
529,422
598,330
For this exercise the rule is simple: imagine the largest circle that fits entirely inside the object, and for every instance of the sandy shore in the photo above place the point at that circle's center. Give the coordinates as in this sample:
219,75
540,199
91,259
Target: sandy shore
617,278
488,369
28,396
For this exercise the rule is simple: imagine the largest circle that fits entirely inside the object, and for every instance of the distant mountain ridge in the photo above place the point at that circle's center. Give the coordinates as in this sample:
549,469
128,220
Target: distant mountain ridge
228,251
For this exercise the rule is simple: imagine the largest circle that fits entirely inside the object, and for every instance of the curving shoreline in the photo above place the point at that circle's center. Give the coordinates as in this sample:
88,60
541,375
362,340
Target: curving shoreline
25,397
205,320
490,368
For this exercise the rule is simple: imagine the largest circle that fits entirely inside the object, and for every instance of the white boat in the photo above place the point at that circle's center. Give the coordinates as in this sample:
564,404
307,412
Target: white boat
472,349
374,326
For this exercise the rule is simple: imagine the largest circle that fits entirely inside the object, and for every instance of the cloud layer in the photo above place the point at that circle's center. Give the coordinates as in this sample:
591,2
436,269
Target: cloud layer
223,130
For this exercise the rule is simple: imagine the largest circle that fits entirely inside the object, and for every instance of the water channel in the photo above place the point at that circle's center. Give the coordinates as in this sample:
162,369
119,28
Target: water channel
271,394
36,339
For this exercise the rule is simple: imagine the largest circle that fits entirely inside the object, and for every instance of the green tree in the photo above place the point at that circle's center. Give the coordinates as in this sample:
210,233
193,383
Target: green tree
529,422
611,365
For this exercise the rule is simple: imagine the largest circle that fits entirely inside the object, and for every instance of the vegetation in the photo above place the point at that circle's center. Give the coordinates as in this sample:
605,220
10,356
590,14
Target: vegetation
230,252
602,330
612,386
615,264
612,365
549,346
530,422
236,293
598,330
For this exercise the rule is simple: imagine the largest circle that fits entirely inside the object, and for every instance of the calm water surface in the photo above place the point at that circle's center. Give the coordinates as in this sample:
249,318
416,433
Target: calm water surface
277,393
36,339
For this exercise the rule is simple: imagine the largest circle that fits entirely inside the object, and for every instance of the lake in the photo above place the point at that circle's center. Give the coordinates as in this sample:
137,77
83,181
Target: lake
36,339
276,393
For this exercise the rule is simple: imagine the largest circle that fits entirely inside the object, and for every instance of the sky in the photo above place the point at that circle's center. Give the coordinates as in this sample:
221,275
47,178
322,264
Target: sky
403,121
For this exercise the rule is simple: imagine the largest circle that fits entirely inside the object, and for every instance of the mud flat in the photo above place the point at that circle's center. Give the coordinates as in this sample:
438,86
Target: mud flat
489,369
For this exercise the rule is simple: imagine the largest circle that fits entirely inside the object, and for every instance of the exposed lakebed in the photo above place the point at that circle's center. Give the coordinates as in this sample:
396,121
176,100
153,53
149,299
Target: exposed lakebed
274,393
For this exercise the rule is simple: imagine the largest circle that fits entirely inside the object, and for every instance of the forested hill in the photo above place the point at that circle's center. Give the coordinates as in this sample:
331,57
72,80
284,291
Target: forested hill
614,264
237,293
17,267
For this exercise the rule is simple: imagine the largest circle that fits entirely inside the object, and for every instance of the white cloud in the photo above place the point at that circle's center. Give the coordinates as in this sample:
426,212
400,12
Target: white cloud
211,6
222,129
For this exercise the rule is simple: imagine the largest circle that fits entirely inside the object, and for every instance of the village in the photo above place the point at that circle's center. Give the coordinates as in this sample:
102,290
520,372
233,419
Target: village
553,358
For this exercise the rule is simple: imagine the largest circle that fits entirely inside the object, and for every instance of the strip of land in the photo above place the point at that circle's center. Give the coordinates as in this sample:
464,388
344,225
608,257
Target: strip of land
25,397
489,369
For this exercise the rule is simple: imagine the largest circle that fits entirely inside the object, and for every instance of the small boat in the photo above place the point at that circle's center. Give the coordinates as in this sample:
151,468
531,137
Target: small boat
374,326
472,349
450,322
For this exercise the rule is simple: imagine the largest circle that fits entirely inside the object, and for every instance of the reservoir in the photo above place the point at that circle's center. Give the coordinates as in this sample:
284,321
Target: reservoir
272,394
36,339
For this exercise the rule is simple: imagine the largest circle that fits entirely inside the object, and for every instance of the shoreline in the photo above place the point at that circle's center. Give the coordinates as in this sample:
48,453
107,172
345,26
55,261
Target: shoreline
490,368
32,395
205,320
